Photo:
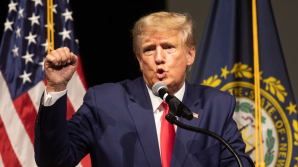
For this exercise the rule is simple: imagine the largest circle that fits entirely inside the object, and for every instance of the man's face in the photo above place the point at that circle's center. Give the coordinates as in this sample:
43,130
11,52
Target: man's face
164,57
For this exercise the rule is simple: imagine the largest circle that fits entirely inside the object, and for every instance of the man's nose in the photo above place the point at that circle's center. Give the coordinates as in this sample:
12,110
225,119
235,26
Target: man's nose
159,55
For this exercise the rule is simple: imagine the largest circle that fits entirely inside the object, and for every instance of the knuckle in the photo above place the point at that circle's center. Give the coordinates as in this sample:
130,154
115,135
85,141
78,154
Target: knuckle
66,49
54,52
60,50
49,57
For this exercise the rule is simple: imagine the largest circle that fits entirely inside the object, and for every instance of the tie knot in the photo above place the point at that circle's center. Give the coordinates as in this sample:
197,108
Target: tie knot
165,106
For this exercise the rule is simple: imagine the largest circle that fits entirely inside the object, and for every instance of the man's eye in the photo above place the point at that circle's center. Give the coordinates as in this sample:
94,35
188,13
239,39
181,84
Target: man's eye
169,47
148,50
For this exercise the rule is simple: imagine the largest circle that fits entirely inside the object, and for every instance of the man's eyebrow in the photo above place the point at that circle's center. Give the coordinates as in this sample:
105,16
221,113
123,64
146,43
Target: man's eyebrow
167,42
148,44
162,42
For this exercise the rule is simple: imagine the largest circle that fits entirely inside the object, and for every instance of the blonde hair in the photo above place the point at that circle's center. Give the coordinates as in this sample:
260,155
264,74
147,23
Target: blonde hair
163,21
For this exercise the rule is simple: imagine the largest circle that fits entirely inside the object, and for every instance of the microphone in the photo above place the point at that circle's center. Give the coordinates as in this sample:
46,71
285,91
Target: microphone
176,107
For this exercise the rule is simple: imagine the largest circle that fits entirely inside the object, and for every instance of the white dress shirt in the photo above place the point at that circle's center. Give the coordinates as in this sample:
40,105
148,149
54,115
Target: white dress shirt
52,97
158,109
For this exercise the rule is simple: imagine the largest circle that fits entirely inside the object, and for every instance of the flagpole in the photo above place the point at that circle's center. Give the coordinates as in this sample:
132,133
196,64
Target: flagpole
52,24
50,27
48,24
258,115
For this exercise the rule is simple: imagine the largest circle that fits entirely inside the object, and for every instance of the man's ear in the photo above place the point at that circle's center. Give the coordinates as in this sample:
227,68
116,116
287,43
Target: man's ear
191,56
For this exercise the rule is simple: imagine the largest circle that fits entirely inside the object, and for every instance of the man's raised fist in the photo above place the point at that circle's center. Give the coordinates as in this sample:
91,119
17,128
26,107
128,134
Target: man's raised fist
59,67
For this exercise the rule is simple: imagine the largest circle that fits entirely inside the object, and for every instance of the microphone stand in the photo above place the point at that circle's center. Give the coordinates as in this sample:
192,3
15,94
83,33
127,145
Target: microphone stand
173,120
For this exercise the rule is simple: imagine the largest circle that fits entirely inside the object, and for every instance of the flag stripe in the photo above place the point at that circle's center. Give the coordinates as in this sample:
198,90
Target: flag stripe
81,72
20,141
1,162
8,157
27,113
80,165
35,94
75,89
86,161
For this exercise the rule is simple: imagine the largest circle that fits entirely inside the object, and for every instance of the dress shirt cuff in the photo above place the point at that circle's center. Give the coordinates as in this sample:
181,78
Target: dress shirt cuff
50,98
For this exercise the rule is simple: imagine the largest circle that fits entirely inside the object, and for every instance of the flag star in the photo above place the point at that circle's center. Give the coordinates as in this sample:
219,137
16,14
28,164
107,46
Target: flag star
15,51
291,108
18,32
34,19
42,64
77,41
50,26
46,44
25,77
54,8
7,25
31,38
21,12
67,15
28,57
37,2
65,34
224,72
12,6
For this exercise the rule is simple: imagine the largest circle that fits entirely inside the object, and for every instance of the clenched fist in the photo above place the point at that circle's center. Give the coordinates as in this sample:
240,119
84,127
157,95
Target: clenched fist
59,67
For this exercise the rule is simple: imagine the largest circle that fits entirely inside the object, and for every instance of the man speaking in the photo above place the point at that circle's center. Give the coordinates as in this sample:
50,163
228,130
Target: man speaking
123,124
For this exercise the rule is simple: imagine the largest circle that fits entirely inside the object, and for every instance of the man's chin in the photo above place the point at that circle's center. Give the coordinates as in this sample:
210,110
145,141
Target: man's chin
165,80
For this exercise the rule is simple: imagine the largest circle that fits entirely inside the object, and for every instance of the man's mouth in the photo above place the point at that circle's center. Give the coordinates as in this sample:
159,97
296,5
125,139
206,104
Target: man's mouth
160,73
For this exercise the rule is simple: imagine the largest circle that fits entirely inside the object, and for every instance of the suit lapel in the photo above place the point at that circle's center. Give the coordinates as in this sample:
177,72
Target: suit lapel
184,138
142,114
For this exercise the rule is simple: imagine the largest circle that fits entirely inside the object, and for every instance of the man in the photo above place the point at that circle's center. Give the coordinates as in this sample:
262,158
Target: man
122,124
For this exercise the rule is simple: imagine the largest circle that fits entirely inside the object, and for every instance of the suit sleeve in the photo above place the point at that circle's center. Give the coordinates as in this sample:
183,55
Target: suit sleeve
59,142
233,136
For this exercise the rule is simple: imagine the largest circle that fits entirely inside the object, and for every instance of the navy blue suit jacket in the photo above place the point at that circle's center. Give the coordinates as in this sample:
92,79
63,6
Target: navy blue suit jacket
115,124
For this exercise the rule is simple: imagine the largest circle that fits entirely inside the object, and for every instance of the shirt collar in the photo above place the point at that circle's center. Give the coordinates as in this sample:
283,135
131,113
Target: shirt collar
156,101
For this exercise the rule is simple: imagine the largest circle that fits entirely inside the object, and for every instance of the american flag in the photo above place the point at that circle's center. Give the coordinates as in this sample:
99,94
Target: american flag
22,77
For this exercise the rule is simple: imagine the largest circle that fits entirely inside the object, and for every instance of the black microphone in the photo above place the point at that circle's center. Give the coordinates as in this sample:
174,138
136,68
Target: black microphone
176,107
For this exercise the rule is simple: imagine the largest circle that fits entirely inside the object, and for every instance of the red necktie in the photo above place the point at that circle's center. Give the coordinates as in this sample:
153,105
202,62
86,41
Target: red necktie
167,137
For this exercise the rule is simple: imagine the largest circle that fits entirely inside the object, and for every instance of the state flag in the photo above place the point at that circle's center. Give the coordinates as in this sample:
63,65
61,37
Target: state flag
225,62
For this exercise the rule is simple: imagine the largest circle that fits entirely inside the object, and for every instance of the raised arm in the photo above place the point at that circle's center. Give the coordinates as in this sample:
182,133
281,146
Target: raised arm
53,144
